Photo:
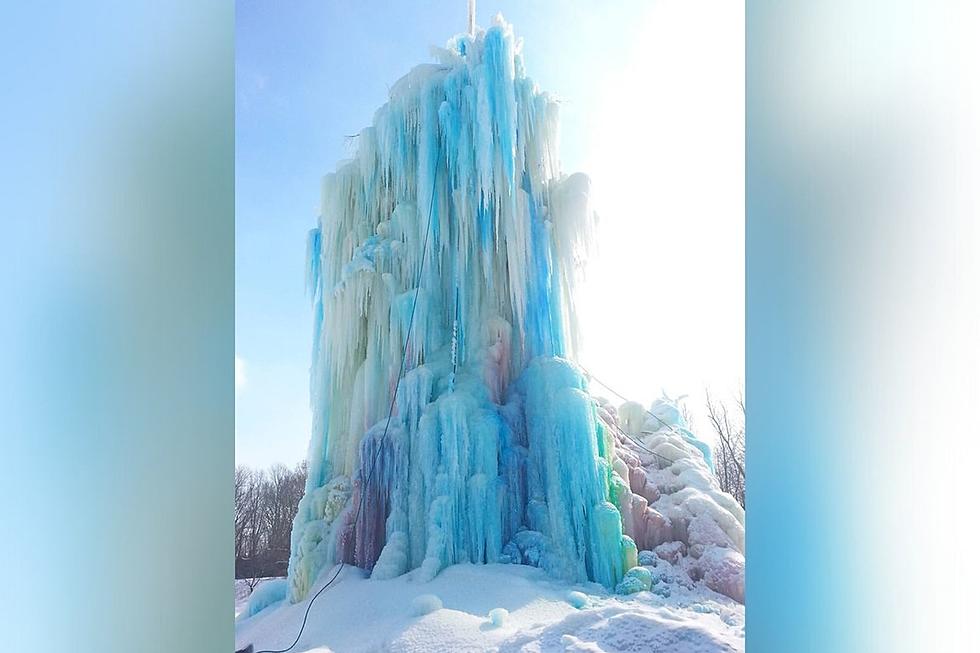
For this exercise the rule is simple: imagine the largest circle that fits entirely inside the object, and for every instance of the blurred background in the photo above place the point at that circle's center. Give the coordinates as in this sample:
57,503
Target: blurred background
117,201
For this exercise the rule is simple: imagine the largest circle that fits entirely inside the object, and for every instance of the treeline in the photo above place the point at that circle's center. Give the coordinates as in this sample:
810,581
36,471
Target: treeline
265,504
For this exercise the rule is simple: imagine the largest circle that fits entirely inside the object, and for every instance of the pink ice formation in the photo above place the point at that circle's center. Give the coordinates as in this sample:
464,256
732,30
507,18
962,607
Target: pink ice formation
454,241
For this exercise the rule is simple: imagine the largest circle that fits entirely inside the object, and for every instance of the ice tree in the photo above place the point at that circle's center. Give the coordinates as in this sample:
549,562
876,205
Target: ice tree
443,272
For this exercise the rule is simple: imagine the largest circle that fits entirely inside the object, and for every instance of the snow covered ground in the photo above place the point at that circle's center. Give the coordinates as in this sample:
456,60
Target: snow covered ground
358,614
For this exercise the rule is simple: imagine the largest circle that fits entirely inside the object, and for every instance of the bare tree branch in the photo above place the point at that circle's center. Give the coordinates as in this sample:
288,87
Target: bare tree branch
729,425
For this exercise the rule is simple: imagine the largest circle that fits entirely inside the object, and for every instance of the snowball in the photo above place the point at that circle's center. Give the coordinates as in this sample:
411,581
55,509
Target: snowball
425,603
578,600
265,594
498,616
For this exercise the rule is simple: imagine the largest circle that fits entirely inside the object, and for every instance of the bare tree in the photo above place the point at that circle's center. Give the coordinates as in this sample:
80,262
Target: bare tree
687,415
281,494
728,423
266,502
248,511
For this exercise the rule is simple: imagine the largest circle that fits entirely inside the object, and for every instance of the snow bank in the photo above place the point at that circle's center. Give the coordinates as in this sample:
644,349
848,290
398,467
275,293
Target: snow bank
266,593
358,614
613,629
426,603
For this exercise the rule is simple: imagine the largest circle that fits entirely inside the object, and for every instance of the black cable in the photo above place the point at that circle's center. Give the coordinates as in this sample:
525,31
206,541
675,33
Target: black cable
391,410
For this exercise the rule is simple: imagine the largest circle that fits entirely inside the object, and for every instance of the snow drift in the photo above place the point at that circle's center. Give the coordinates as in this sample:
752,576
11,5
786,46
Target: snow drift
360,615
443,272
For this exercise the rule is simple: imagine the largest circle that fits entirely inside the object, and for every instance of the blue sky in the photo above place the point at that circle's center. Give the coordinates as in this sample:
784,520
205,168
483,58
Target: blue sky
652,110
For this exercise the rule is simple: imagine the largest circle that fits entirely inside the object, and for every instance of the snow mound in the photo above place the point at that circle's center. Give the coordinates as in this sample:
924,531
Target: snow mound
425,603
611,629
360,615
266,593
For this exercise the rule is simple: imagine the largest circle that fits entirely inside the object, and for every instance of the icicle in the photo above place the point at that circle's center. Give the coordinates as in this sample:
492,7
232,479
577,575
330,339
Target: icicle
442,272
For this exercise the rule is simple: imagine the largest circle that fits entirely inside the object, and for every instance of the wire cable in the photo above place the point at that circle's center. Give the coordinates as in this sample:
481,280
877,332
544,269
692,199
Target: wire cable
623,432
666,460
391,410
610,389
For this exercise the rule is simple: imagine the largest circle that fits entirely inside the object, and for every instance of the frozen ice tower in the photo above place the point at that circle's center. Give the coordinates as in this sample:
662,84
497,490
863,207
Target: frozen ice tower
443,272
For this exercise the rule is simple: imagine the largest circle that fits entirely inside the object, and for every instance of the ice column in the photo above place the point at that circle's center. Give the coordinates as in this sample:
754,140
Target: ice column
454,208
